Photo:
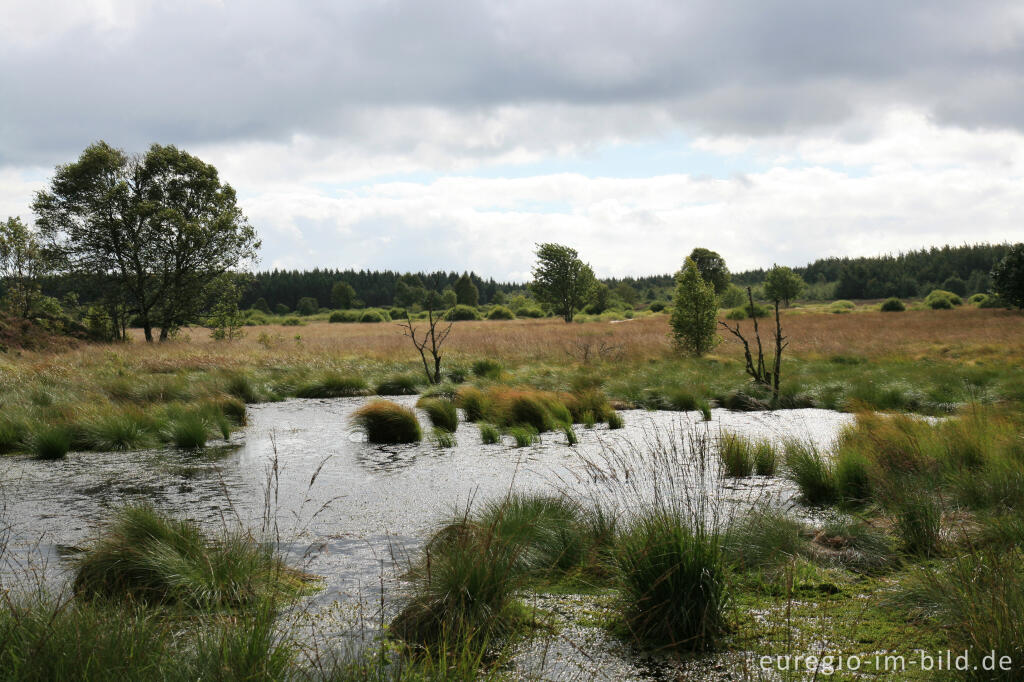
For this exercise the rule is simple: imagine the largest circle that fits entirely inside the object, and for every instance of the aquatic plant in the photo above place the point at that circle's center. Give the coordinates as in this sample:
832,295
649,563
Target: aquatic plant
333,385
765,457
524,435
764,537
118,432
736,455
570,435
443,438
615,420
188,431
399,384
489,434
50,441
806,466
442,413
388,423
472,401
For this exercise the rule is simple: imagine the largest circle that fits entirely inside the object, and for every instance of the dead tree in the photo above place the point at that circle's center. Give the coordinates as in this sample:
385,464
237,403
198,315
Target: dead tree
760,371
431,342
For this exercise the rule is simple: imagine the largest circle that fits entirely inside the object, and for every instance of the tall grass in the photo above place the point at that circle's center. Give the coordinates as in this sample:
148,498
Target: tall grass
736,454
472,401
189,432
399,384
386,422
765,457
442,413
489,434
813,474
764,537
51,442
333,385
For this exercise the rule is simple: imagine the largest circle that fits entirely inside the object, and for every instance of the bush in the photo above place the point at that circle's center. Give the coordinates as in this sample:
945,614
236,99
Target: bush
374,316
993,301
673,582
736,455
977,299
343,316
442,413
811,473
529,311
281,309
397,313
736,314
841,306
333,385
307,306
388,423
399,384
656,307
150,559
462,313
500,312
291,322
893,305
942,300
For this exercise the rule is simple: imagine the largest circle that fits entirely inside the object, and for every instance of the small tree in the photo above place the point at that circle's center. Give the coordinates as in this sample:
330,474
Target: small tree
712,268
782,284
22,263
449,299
429,341
343,296
225,319
261,305
561,279
599,299
1008,277
307,306
465,291
695,313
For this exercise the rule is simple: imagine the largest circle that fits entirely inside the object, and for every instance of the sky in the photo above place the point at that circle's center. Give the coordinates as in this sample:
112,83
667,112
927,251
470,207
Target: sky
456,135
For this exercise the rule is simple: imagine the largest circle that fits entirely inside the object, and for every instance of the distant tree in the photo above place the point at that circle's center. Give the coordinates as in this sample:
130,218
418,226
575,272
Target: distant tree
561,279
599,299
307,305
261,305
782,284
281,309
627,294
465,291
23,263
343,296
695,313
732,297
712,268
408,295
161,224
956,285
498,298
450,299
1008,277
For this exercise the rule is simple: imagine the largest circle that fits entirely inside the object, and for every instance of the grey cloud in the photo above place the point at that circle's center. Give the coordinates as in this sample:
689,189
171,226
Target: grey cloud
209,73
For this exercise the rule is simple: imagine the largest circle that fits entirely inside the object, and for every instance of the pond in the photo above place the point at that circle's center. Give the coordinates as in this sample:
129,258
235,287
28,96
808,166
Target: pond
345,509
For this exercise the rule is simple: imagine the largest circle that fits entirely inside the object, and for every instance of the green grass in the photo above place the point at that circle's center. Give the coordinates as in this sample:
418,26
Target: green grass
386,422
736,454
150,559
51,442
673,582
764,538
472,401
443,438
333,385
765,458
489,434
523,436
125,431
399,384
442,413
189,432
570,434
808,468
615,420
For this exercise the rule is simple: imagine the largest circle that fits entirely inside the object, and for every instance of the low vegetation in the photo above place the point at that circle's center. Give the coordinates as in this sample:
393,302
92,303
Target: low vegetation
385,422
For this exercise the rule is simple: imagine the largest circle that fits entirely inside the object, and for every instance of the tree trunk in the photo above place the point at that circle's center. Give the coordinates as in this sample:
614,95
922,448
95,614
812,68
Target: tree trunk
164,333
147,328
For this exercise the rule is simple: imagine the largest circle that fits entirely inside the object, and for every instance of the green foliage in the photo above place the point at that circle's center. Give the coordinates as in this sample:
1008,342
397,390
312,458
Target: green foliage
466,292
942,300
570,434
673,581
764,537
343,296
225,320
955,285
765,458
388,423
598,299
1008,277
486,368
23,262
919,521
442,413
333,385
656,307
188,432
853,478
712,269
443,438
281,309
472,401
841,306
462,313
500,312
261,306
399,384
524,435
732,297
736,454
307,305
150,559
807,467
344,316
893,305
374,316
489,434
51,442
695,312
561,280
737,313
782,284
291,322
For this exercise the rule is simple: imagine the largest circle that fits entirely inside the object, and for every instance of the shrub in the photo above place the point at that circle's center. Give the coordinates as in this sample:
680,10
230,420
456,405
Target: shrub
374,316
893,305
399,384
281,309
735,453
765,458
841,306
673,582
291,322
977,299
500,312
993,301
812,474
462,313
442,413
51,442
942,300
656,307
529,311
486,368
736,314
333,385
489,434
472,401
386,422
188,432
397,313
307,305
343,316
757,311
150,559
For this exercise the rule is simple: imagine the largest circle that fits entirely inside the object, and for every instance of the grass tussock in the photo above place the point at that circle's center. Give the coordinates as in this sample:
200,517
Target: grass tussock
51,442
151,559
810,469
489,434
736,453
399,384
189,432
442,413
333,385
386,422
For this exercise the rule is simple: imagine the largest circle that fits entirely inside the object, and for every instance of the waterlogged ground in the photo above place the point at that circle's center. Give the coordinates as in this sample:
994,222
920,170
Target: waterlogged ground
351,512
